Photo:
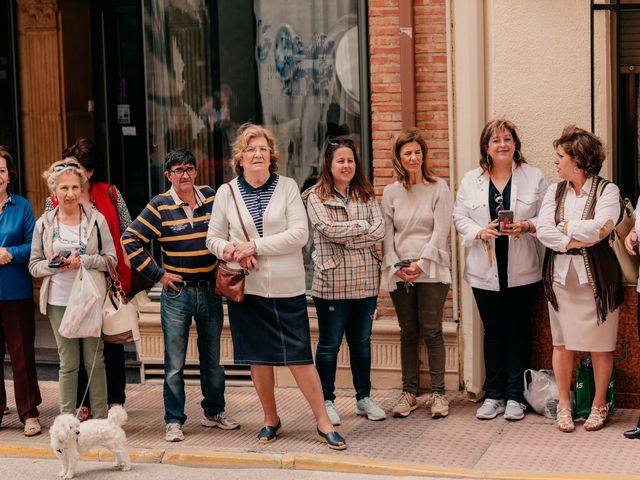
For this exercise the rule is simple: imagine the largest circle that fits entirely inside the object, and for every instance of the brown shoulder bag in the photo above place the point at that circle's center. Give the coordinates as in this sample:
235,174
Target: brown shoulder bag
230,281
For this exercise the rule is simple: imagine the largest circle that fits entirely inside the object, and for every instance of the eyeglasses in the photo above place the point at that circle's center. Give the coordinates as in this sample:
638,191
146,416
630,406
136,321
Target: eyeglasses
261,149
500,201
181,171
61,166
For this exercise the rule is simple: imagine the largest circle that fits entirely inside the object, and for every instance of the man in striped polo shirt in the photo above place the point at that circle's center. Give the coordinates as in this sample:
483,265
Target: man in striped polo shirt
179,219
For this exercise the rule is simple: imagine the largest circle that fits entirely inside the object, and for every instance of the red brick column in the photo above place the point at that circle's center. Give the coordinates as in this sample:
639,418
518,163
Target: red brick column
431,92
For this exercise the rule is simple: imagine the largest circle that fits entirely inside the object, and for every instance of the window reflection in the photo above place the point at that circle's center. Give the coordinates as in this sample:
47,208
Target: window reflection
212,66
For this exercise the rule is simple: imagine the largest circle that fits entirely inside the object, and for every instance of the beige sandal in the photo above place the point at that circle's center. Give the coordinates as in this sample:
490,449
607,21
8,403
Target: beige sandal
597,417
564,420
32,427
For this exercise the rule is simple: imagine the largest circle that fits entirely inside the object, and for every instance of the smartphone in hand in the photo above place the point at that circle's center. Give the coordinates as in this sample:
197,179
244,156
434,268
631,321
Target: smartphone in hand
56,262
402,264
505,218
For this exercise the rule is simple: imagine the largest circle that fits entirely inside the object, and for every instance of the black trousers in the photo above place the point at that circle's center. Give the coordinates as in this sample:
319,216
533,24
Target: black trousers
506,317
116,376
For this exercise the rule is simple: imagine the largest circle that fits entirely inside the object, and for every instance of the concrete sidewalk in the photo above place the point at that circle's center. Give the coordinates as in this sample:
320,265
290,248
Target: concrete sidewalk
456,446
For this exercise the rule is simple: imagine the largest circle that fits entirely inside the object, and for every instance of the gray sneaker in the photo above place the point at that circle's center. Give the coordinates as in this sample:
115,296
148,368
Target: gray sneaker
173,432
514,411
490,409
332,412
366,406
221,420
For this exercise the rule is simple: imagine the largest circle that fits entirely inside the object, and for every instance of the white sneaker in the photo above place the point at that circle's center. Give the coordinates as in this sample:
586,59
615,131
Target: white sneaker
366,406
221,420
173,432
490,409
514,411
332,412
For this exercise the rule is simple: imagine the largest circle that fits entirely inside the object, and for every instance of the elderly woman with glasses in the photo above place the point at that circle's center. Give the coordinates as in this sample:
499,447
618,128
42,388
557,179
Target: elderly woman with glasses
74,235
259,221
347,224
503,260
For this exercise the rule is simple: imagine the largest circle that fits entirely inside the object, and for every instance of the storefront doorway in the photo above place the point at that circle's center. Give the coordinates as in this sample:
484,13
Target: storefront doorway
119,96
9,125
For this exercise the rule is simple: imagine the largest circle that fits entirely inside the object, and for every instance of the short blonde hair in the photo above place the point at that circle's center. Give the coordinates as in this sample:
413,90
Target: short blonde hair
59,167
245,134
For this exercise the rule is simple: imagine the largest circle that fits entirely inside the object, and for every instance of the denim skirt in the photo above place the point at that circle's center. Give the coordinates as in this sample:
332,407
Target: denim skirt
270,331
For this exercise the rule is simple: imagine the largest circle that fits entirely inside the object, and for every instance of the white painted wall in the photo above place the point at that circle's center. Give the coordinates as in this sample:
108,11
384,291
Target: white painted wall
538,70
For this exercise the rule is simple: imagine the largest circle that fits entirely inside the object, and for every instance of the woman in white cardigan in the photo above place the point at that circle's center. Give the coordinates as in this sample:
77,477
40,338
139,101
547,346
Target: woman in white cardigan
271,327
502,267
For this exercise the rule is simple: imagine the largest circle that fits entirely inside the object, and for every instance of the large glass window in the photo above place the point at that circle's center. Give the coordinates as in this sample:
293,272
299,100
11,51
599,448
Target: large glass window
294,67
212,66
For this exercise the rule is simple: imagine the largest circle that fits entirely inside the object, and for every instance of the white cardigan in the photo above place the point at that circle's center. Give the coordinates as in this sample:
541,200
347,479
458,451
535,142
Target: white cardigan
471,214
279,251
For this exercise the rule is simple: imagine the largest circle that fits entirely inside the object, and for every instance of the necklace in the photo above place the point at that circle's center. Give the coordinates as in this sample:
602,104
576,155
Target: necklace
56,234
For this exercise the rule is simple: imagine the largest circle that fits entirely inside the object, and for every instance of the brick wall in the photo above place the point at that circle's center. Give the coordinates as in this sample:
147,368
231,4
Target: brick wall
431,92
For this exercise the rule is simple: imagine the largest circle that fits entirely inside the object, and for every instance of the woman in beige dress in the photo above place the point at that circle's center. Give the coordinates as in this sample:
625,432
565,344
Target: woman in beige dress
582,279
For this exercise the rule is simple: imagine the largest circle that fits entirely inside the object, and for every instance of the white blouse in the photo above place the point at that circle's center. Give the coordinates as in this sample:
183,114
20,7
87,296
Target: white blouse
607,208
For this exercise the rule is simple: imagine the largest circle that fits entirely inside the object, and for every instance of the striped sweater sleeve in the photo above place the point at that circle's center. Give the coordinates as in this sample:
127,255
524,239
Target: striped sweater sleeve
143,230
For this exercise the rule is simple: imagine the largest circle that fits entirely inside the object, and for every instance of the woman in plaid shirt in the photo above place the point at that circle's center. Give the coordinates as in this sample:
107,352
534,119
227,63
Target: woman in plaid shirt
347,223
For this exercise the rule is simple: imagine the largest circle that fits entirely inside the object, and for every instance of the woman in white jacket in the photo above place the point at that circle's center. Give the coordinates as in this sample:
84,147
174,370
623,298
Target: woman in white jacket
503,267
271,327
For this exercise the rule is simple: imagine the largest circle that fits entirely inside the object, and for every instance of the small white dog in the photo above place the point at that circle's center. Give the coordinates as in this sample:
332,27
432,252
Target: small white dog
70,439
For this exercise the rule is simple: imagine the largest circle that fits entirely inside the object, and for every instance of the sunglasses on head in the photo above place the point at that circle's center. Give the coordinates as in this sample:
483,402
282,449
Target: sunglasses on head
500,201
61,166
336,142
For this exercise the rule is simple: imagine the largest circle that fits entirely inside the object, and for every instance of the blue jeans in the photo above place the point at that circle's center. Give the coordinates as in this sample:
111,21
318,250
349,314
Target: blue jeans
176,311
353,318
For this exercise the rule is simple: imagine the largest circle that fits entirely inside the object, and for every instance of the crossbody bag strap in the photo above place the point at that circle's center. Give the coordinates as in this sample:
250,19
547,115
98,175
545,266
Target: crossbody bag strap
115,280
246,235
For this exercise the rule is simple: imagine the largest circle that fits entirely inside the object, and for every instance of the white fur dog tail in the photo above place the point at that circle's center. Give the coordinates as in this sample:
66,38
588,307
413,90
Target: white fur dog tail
117,415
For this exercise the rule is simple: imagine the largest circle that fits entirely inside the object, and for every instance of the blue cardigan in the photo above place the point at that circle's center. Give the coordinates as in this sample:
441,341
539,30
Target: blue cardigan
16,230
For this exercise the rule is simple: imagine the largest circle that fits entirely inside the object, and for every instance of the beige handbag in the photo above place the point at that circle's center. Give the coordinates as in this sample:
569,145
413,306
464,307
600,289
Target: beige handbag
628,264
119,316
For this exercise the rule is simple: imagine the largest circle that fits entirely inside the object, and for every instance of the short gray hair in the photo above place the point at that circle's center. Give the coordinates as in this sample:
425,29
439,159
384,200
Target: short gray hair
59,167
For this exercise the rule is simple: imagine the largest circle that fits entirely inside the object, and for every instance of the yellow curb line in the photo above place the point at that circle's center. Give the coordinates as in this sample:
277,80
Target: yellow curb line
137,455
232,459
304,461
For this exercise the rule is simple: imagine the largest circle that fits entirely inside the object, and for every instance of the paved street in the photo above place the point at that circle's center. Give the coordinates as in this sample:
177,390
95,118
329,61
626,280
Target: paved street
457,446
28,469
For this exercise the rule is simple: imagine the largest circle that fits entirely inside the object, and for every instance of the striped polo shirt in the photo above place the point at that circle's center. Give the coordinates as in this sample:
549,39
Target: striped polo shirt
257,199
181,236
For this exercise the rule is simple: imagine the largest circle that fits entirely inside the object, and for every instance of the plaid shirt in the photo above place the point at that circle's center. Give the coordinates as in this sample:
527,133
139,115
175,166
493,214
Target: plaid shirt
346,265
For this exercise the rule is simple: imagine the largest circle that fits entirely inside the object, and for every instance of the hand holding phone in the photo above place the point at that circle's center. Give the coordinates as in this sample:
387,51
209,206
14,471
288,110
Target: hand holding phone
402,264
505,218
56,262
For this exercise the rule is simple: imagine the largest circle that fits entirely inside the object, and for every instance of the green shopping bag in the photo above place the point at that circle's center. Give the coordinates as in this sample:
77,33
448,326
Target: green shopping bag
586,389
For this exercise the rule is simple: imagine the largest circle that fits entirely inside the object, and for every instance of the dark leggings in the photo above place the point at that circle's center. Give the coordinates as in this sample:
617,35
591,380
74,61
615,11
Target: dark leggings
116,376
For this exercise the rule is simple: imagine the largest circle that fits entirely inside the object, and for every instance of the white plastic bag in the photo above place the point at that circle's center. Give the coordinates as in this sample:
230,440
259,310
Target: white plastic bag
541,392
83,315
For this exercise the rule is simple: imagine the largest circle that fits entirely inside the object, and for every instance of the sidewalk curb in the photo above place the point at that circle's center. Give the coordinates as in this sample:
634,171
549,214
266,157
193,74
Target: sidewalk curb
302,461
